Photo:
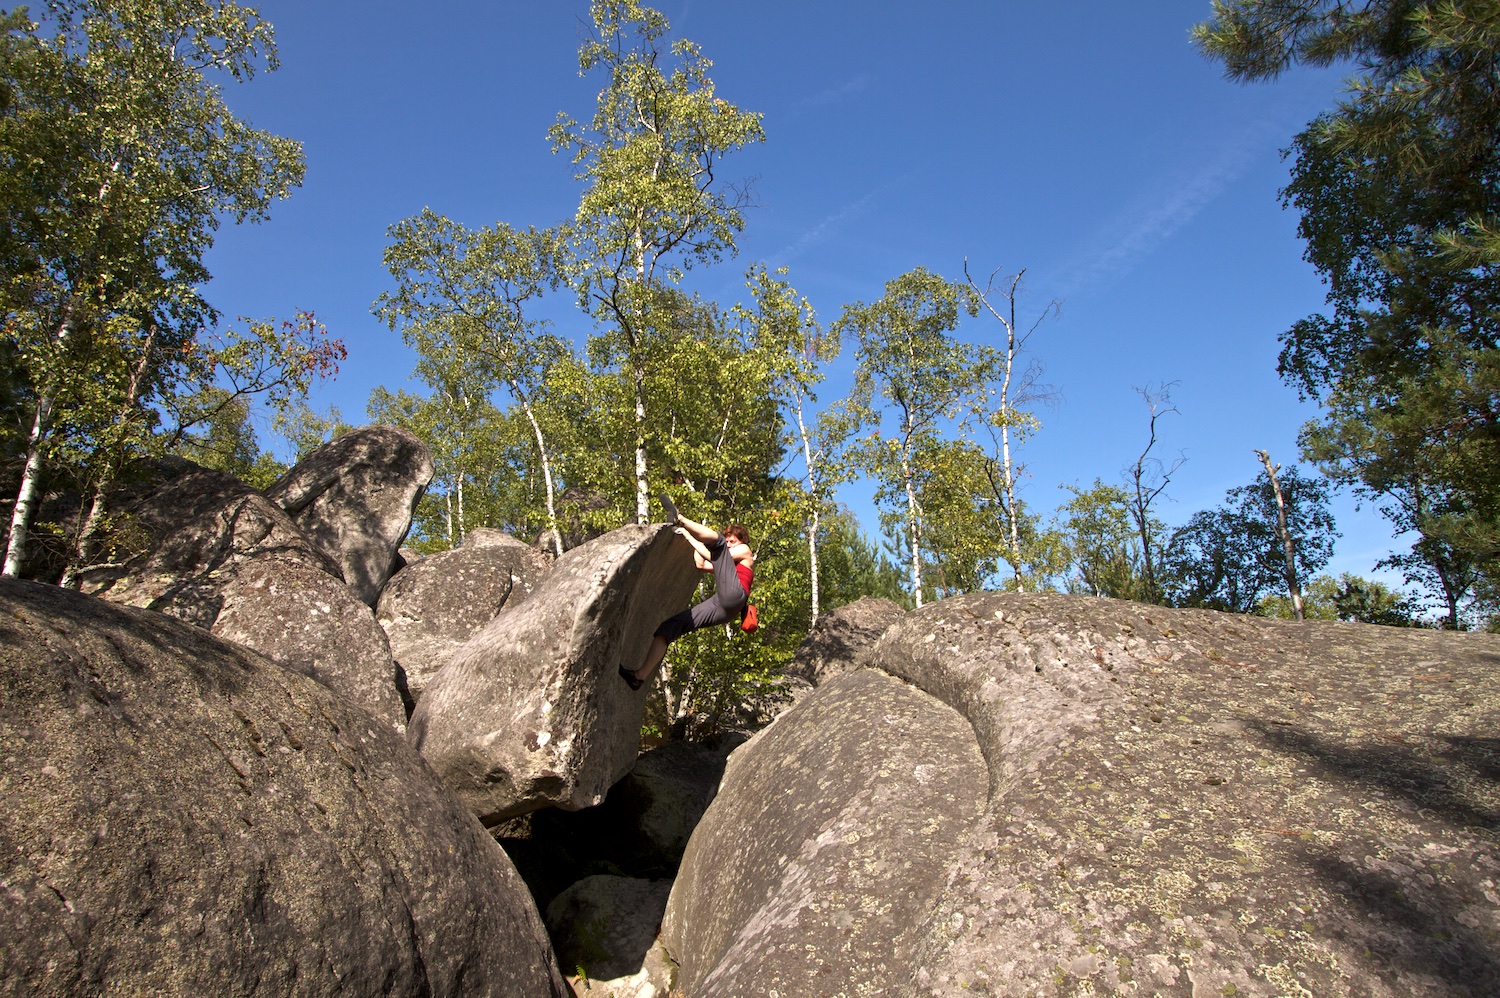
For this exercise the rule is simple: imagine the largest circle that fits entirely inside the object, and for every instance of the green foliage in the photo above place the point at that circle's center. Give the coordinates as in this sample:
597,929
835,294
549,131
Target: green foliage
909,364
1398,190
1103,543
1229,557
460,301
652,205
1348,597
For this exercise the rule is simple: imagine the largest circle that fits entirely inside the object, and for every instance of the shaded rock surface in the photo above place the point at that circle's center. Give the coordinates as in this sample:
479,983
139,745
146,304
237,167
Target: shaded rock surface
639,831
308,621
216,553
842,639
603,927
354,498
531,712
1187,803
431,607
185,817
815,867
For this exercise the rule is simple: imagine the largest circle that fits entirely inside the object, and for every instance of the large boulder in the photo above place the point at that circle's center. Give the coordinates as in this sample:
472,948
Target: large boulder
307,621
432,606
354,498
184,817
1184,803
843,638
817,864
214,552
532,712
183,540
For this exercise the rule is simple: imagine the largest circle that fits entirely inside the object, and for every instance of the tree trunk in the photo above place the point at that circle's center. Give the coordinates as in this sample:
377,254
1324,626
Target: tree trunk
1288,546
541,446
26,496
812,526
31,476
1009,480
913,513
642,492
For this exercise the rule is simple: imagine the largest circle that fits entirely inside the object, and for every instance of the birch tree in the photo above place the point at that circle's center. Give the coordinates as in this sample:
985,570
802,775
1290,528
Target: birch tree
1015,386
1288,543
460,300
653,203
908,362
795,348
119,159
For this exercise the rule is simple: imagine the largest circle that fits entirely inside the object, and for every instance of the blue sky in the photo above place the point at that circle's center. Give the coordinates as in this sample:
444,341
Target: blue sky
1085,141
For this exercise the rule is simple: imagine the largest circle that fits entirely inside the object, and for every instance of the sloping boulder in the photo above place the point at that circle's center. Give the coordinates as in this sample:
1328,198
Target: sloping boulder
531,712
815,867
1186,802
184,817
354,498
432,606
188,537
1180,802
306,620
842,639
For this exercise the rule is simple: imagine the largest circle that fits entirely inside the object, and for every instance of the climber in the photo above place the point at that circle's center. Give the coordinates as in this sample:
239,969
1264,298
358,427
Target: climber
729,557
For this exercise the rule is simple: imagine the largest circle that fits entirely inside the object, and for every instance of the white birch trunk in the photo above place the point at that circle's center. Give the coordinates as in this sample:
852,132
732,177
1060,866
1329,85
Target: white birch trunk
31,476
541,447
913,512
812,526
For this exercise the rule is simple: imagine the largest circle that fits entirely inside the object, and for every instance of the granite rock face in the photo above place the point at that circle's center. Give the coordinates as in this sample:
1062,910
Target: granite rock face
184,817
431,607
843,638
354,498
531,712
817,864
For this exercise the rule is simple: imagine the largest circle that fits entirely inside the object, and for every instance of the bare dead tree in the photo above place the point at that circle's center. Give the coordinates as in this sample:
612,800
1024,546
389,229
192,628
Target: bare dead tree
1288,545
1016,388
1148,478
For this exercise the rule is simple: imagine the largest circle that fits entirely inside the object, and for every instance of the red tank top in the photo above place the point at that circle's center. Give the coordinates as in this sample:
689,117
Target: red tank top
746,574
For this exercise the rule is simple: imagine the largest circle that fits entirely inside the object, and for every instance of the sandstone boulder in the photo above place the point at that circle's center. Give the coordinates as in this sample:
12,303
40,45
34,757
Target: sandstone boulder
188,537
184,817
842,639
1179,803
306,620
531,712
431,607
214,552
489,537
816,866
1185,802
354,498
